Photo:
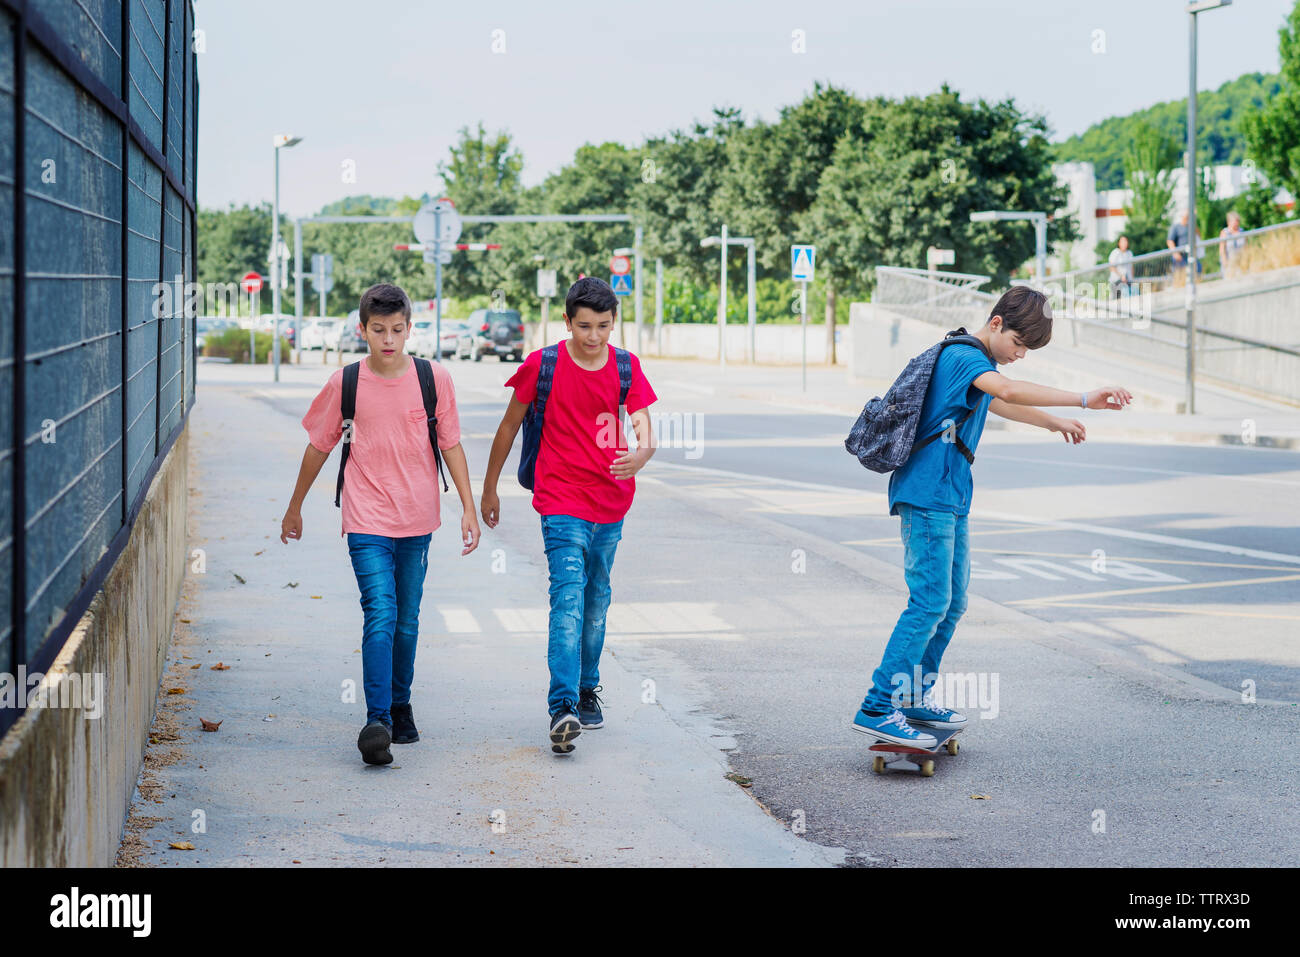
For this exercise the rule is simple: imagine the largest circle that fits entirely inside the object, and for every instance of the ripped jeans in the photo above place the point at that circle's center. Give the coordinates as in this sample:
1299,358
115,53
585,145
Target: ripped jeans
580,555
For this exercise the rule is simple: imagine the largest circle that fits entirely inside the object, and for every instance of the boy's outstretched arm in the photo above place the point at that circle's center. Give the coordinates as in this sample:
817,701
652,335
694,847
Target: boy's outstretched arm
1071,430
627,465
469,530
1019,392
501,443
312,461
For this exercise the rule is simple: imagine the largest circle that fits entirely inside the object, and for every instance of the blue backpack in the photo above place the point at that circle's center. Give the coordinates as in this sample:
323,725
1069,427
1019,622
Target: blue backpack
533,418
883,437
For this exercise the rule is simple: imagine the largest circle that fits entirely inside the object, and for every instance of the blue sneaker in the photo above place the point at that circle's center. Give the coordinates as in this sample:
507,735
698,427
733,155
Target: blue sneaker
931,716
589,713
893,728
565,726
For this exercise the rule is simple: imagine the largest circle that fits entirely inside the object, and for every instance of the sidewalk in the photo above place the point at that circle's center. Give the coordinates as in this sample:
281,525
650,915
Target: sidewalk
834,391
282,783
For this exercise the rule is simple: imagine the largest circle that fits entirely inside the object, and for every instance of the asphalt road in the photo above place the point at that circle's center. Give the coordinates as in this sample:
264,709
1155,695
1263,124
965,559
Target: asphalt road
1126,602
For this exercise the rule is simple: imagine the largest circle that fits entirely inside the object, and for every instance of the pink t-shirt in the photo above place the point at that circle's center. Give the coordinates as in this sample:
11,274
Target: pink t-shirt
391,483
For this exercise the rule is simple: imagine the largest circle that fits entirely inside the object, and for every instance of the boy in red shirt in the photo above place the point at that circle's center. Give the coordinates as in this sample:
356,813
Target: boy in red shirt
582,487
390,504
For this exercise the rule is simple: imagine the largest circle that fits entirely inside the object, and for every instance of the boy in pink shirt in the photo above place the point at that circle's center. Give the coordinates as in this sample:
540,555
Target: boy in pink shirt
390,503
583,484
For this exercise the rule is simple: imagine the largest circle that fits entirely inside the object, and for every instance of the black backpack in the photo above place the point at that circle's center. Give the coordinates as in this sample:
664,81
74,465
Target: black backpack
882,438
534,417
351,372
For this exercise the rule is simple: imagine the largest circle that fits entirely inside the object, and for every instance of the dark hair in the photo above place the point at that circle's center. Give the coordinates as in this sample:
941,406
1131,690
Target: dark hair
384,299
593,293
1025,310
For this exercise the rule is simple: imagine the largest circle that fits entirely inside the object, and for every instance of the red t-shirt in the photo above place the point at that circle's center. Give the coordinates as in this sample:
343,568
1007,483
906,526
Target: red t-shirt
582,436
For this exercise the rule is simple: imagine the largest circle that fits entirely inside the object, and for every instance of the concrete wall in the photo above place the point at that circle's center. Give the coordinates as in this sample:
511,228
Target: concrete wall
66,781
776,344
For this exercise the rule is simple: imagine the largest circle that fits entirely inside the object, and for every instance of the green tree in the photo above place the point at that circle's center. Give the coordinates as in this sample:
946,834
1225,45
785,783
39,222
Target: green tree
1273,132
928,163
1149,158
235,241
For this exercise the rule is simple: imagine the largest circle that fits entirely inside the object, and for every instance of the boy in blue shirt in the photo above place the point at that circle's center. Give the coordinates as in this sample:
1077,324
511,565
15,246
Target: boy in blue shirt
932,495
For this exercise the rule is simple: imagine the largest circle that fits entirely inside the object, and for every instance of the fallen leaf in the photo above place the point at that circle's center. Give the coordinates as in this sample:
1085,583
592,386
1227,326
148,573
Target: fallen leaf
186,620
175,690
239,578
259,551
315,596
182,845
219,666
192,667
740,779
297,862
211,725
981,797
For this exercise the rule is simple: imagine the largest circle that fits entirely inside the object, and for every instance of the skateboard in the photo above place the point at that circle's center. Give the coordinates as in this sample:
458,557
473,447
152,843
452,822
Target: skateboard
898,756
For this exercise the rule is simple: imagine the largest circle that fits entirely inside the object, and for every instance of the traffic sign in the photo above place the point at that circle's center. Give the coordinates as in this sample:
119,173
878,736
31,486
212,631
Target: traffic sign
620,265
251,282
448,219
545,283
432,257
622,285
322,272
803,260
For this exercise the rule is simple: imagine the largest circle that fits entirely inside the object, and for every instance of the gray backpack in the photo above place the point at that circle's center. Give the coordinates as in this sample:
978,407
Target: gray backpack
884,434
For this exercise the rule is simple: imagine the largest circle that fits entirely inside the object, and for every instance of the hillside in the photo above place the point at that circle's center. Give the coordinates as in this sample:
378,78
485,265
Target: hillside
1218,113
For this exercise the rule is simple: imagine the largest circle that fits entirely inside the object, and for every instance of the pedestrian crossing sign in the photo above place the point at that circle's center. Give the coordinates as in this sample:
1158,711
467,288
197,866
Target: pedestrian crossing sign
622,285
802,262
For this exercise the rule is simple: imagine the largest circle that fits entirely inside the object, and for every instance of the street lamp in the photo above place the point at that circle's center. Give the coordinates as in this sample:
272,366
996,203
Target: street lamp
279,141
1040,234
1200,6
725,241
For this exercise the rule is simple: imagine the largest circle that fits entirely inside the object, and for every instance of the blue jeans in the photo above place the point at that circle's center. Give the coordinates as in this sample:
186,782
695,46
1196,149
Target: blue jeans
936,561
390,574
580,555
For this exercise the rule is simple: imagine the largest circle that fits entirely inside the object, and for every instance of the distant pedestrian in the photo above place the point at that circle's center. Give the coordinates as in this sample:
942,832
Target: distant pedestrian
932,493
1233,244
1177,241
582,483
1121,268
389,499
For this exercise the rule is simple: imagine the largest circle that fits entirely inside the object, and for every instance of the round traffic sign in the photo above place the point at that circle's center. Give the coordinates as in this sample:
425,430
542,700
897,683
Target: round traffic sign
620,265
251,282
447,218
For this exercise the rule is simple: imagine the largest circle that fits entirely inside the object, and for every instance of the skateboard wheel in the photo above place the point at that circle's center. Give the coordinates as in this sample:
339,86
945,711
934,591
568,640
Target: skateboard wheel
953,747
878,765
927,769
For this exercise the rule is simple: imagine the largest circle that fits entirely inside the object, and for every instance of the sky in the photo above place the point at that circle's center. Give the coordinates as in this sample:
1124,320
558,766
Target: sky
382,87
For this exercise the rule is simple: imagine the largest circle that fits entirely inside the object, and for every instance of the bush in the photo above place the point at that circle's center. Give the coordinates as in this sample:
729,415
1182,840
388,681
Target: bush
233,345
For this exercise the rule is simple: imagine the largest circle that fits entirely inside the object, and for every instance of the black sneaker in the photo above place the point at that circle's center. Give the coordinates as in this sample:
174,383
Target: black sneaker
373,742
589,709
565,726
404,730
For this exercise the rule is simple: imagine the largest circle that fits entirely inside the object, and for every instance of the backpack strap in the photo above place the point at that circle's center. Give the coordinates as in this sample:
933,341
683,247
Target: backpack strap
424,371
958,336
545,376
349,408
624,360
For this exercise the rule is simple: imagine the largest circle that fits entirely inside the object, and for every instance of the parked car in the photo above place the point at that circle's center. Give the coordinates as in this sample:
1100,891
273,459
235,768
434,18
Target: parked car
453,331
350,338
499,333
420,342
320,333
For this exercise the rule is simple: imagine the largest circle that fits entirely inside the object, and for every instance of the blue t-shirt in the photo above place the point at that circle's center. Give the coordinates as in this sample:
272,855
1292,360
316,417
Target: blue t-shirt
938,476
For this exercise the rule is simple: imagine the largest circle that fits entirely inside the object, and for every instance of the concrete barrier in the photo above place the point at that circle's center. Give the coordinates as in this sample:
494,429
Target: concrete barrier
66,779
774,343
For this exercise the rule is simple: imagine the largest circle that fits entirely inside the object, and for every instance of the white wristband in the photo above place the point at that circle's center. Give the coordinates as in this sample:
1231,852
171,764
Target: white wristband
1083,400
